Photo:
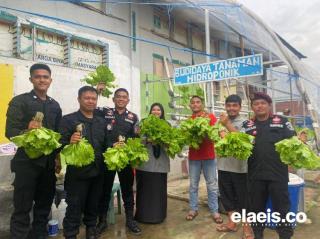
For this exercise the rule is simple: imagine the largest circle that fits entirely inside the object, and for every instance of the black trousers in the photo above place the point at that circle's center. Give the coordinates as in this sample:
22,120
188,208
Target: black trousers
36,184
82,198
233,190
126,179
260,190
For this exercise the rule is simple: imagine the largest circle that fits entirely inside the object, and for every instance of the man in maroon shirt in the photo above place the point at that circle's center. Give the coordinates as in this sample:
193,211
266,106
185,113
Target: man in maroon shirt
203,159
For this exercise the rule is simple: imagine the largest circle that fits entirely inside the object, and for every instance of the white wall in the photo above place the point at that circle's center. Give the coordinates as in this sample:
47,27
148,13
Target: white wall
67,80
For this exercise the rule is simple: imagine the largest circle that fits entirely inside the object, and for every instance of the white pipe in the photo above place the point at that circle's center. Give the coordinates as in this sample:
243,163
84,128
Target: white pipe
209,85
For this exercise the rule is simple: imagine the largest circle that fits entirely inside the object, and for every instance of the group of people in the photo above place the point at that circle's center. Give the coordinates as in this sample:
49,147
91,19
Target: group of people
241,184
88,188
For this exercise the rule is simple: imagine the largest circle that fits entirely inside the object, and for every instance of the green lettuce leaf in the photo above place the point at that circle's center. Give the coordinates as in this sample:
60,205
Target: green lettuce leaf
79,155
160,132
195,130
136,152
295,153
133,152
235,144
38,142
101,75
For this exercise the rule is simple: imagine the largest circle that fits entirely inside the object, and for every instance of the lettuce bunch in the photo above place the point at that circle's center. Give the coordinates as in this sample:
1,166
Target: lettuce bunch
38,142
195,130
235,144
297,154
79,155
160,132
132,152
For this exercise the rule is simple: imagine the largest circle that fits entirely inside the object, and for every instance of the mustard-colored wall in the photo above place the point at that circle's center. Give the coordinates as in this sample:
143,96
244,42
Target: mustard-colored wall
6,93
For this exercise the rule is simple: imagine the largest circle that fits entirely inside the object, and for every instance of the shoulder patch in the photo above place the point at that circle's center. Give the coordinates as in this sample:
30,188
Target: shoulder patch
289,126
250,123
132,115
109,111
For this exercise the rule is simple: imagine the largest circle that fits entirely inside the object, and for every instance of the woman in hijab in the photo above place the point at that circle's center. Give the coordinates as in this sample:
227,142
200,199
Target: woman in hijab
151,198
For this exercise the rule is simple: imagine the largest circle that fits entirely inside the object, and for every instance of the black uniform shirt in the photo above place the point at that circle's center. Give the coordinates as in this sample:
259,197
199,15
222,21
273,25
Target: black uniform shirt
124,124
22,109
265,163
94,130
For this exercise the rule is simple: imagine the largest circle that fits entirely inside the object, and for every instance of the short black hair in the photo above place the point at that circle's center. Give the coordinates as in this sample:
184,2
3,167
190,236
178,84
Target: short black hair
261,96
85,89
198,97
233,99
39,66
121,89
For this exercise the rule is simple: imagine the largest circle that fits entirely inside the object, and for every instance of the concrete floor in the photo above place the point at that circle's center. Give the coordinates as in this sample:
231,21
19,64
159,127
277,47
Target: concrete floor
203,227
176,227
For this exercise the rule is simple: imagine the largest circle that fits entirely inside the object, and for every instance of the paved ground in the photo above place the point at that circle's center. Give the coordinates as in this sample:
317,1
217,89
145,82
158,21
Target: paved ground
176,227
202,227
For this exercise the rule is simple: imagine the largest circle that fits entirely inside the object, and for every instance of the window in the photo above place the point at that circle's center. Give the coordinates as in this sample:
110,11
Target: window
158,66
156,21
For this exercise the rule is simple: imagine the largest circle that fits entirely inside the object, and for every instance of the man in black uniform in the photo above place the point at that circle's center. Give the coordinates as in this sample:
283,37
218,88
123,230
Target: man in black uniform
120,122
84,184
268,176
34,178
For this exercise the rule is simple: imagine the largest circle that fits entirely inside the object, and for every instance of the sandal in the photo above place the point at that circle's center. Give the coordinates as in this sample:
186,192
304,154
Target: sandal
248,235
226,228
247,232
191,215
217,218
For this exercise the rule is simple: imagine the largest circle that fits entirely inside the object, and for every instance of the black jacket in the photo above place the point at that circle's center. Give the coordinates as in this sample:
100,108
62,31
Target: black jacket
94,131
119,124
22,109
265,163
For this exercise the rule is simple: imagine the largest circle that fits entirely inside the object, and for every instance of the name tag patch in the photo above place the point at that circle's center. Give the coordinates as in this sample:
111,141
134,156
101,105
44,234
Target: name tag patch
276,125
130,121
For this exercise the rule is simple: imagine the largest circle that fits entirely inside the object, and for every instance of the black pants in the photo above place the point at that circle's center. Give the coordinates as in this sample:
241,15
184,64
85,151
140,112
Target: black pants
36,184
233,190
260,190
82,198
126,178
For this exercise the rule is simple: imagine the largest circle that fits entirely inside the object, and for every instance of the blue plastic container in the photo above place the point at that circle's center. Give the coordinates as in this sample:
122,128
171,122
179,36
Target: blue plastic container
295,187
53,228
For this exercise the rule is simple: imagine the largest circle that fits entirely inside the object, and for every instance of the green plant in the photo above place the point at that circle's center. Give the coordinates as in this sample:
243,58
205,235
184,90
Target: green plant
186,94
195,130
160,132
37,142
79,154
235,144
295,153
132,152
102,75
